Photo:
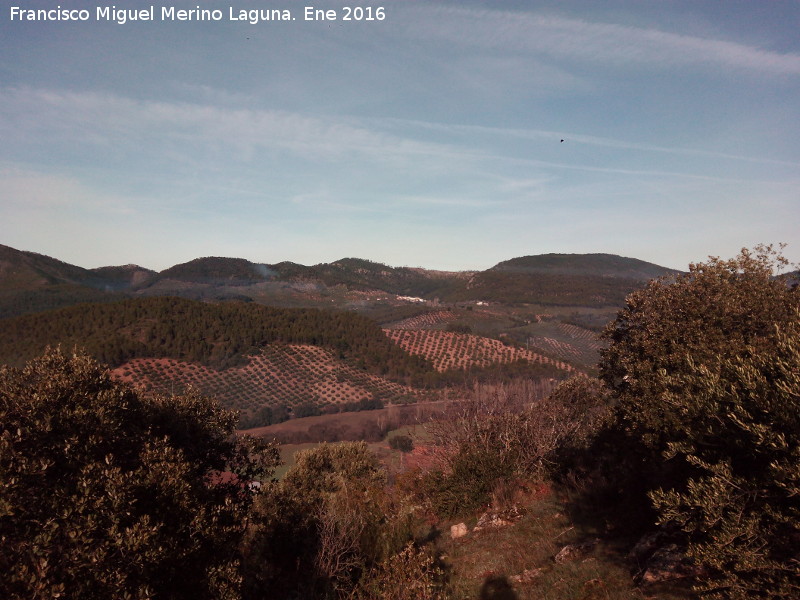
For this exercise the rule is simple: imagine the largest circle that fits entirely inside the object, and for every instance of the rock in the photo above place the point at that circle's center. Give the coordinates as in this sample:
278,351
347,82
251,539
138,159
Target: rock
527,576
572,552
457,531
666,564
498,518
646,546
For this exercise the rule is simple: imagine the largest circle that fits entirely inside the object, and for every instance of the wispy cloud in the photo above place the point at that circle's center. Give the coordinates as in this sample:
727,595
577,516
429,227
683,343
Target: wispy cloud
32,190
578,138
606,43
190,129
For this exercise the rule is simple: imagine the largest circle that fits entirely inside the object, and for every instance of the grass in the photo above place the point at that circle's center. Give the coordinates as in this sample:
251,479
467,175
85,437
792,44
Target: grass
484,564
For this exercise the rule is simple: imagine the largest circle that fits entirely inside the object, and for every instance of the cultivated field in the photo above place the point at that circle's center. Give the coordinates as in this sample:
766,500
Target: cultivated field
569,342
282,374
449,350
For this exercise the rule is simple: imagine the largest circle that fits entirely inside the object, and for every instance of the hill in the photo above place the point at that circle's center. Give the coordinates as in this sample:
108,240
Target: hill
26,270
218,335
254,358
595,280
126,277
525,300
276,382
31,282
602,265
216,270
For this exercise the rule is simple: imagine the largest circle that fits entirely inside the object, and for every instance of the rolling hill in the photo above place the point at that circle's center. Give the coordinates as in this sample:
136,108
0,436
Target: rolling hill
30,282
545,310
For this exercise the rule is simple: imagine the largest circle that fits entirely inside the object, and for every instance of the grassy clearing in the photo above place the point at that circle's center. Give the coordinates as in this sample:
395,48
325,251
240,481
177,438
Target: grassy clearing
517,561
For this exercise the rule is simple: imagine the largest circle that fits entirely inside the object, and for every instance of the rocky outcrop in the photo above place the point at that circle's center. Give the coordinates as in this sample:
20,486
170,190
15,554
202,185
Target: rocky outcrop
572,552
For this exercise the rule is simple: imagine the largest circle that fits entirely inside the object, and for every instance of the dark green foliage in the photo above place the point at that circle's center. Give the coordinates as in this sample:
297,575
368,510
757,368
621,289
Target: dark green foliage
217,271
468,483
306,409
15,303
324,526
364,404
108,494
706,372
404,443
218,335
458,328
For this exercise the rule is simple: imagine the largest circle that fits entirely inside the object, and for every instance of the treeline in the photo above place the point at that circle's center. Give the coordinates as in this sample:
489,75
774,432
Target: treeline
217,335
14,303
546,288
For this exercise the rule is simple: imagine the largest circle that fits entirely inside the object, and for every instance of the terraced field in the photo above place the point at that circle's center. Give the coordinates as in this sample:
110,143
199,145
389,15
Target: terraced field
281,374
573,343
425,321
449,350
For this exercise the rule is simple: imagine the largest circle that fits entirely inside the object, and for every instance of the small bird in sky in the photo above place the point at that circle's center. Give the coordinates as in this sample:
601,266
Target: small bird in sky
562,141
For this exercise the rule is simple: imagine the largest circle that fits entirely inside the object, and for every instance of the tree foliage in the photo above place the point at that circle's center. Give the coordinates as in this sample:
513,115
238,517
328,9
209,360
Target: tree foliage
105,493
219,335
705,368
509,430
326,526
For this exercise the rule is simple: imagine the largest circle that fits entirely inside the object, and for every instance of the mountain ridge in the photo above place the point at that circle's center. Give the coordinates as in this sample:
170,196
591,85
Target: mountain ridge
30,282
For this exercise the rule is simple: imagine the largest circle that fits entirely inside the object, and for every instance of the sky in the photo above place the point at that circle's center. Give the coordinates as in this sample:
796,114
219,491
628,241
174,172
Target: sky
430,137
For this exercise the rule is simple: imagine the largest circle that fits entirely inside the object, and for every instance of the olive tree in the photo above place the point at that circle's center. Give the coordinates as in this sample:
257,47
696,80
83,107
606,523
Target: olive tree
705,371
108,493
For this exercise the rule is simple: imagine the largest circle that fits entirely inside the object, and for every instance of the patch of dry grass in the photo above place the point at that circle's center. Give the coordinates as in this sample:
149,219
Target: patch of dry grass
516,562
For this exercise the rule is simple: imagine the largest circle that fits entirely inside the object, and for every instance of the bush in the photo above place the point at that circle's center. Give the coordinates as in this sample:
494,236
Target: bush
411,574
403,443
505,431
324,526
105,493
706,372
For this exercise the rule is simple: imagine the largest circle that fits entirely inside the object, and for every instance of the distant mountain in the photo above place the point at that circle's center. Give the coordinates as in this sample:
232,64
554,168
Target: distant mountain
31,282
602,265
214,270
27,270
361,274
123,278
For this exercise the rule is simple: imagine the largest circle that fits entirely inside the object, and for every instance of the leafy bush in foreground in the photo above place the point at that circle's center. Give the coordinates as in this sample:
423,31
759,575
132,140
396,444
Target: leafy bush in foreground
706,372
108,494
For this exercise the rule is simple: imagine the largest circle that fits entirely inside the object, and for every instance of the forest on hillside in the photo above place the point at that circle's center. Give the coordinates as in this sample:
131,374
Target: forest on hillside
217,335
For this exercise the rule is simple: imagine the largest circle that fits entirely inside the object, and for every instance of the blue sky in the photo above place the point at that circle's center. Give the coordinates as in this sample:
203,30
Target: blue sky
431,138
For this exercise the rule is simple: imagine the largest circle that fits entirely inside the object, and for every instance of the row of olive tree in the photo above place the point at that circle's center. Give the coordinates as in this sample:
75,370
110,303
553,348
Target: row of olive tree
108,493
694,424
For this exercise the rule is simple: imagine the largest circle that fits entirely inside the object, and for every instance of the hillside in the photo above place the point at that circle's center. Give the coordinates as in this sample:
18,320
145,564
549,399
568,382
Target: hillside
602,265
524,300
592,280
216,270
285,379
450,350
31,282
218,335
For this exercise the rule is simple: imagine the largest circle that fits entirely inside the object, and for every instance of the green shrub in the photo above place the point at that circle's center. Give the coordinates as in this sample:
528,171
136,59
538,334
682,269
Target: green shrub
412,574
105,493
324,526
706,372
403,443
